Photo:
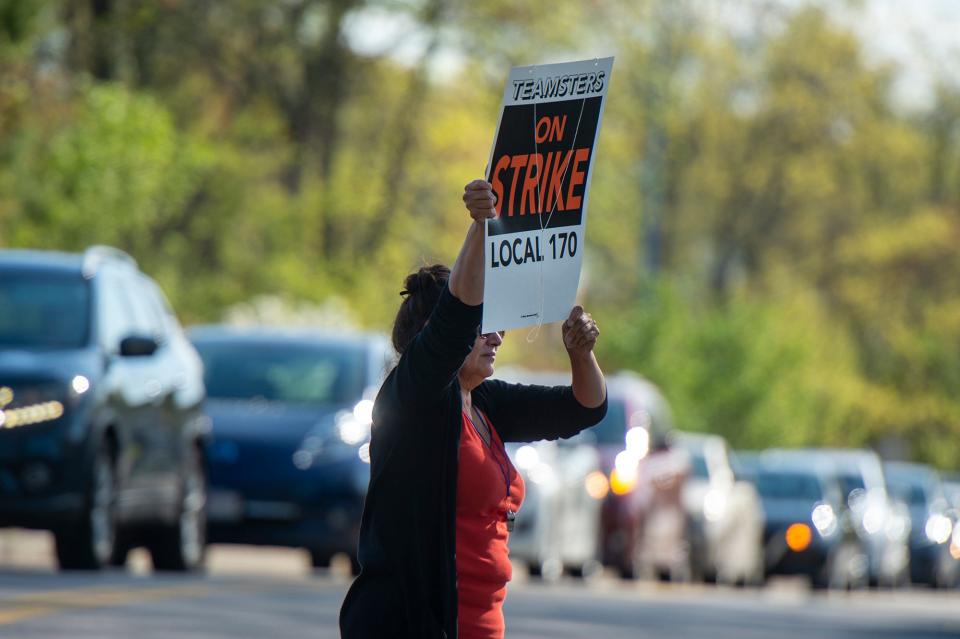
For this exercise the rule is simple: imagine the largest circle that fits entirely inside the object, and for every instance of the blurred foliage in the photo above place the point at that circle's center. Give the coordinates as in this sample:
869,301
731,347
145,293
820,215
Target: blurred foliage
771,240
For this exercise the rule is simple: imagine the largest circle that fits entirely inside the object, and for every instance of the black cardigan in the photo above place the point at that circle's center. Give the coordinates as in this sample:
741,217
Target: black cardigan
408,583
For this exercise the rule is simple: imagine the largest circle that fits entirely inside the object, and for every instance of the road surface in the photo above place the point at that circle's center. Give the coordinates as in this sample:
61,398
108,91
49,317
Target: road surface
248,592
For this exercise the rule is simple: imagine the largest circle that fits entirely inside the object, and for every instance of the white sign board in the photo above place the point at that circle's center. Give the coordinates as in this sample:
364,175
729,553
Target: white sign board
540,169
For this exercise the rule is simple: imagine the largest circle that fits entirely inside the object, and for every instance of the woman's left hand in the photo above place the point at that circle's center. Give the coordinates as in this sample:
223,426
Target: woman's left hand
580,332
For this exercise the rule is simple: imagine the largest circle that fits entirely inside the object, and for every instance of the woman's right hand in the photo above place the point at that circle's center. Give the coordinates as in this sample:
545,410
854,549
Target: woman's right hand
480,200
466,278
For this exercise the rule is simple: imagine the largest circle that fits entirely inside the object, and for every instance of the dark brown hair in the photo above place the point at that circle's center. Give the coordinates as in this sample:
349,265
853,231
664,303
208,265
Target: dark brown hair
420,293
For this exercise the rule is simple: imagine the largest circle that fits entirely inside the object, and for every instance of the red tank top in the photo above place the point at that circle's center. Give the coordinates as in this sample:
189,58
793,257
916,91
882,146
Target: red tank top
483,501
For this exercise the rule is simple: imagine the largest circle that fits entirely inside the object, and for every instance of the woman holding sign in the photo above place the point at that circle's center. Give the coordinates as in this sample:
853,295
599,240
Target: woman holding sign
443,495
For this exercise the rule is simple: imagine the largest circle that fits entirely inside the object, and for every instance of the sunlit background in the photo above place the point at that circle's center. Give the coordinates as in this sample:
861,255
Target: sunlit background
774,210
771,256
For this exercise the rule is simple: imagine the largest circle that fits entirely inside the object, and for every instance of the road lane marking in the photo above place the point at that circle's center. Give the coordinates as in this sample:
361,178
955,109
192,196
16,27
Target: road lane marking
40,604
8,617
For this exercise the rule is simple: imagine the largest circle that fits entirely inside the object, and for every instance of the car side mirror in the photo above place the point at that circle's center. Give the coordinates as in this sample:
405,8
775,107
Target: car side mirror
138,346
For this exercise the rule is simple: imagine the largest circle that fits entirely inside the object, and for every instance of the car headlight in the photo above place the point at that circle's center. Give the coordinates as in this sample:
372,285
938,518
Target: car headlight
353,427
621,484
955,543
824,519
364,453
596,485
714,503
79,385
527,457
626,470
873,518
938,528
627,464
898,527
637,441
543,475
34,405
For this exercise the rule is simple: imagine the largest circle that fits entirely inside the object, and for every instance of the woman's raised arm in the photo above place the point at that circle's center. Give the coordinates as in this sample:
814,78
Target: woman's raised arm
580,334
466,278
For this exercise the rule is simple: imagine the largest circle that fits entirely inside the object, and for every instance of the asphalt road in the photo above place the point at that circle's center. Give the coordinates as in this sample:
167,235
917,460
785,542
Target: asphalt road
252,593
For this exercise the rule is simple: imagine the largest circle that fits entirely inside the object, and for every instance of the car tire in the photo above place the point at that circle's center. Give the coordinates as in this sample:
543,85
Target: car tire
549,569
121,550
587,570
631,564
684,571
319,558
944,575
534,569
89,544
181,547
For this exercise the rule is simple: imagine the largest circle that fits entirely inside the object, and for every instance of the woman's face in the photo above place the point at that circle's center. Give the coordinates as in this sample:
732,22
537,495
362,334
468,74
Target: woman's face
480,361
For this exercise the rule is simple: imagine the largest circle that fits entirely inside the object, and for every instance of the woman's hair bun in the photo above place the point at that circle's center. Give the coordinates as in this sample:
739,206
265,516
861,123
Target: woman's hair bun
426,278
421,290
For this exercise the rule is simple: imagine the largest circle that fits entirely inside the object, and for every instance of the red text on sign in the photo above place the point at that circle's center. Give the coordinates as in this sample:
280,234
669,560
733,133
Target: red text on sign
536,181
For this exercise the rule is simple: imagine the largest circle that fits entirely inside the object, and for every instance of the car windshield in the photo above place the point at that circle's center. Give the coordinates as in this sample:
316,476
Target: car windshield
699,463
851,483
612,429
44,311
913,493
786,485
295,372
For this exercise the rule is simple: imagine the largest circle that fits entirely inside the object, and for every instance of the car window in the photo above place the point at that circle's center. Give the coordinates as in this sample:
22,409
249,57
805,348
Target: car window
115,317
612,429
143,306
154,308
913,494
786,485
851,483
288,372
699,463
170,321
43,310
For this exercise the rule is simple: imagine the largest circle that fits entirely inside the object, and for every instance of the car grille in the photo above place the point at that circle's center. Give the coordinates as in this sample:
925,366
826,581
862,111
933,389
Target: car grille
28,393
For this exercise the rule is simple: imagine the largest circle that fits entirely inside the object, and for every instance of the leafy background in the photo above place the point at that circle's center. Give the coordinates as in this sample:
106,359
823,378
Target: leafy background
772,236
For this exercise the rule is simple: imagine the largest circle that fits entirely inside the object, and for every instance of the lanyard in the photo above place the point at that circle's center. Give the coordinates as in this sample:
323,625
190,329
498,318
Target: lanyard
511,515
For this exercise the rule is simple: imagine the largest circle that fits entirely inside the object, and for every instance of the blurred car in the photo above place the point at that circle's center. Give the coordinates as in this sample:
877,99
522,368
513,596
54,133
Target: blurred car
602,497
664,546
882,523
931,533
101,432
557,527
725,515
808,528
289,453
951,489
643,529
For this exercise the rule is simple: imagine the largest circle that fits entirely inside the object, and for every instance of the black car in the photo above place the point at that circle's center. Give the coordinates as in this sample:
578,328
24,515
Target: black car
289,455
101,427
807,529
931,529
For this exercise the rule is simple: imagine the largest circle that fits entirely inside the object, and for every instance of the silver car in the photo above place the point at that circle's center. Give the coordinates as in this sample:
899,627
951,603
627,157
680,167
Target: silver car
556,528
725,514
883,523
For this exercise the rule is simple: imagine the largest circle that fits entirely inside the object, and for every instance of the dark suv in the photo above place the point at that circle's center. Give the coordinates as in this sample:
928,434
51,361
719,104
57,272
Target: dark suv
101,428
289,454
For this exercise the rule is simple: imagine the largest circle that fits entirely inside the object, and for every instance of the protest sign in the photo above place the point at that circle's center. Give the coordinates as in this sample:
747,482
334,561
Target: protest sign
540,169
